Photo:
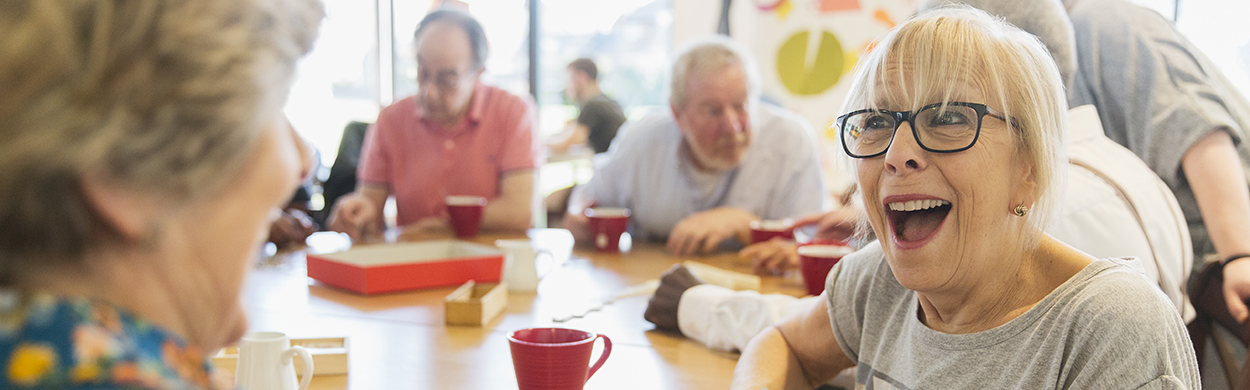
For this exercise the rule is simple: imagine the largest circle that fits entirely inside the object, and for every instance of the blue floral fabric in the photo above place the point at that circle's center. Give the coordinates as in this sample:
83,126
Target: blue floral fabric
49,342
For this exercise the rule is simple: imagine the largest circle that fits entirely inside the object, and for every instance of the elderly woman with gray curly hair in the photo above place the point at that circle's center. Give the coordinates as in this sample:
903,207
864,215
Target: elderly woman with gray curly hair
143,153
954,132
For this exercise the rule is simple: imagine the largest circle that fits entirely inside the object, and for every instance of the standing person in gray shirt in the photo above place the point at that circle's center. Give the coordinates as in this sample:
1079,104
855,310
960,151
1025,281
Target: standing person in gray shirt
954,129
1159,96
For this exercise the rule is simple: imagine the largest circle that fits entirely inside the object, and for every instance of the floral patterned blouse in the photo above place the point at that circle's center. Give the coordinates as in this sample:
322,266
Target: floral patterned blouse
76,343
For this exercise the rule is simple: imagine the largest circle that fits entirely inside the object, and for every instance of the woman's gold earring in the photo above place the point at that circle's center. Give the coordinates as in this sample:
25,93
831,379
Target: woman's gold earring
1021,210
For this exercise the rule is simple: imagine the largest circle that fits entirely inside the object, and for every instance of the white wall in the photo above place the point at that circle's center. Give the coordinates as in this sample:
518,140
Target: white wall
696,18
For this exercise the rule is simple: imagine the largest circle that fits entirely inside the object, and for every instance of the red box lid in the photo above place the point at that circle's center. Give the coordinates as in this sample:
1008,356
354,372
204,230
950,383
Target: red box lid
386,268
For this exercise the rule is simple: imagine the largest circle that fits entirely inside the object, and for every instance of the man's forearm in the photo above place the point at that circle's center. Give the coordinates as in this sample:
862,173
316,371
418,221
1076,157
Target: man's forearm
376,195
724,319
512,210
507,216
1215,174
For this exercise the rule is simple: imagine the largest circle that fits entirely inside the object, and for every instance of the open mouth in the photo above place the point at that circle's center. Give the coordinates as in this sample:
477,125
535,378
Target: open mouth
916,220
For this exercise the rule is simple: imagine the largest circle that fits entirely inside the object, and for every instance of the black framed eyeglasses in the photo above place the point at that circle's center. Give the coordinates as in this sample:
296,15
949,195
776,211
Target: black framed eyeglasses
939,128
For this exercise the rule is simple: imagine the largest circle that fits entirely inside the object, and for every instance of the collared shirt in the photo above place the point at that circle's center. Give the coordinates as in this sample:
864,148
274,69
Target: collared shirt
75,343
779,176
423,162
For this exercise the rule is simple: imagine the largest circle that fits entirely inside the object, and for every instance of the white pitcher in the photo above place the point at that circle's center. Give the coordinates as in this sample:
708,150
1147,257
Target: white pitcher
265,363
520,273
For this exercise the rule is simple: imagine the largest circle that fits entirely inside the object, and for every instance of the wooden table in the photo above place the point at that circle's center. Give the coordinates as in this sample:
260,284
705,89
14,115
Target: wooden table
399,340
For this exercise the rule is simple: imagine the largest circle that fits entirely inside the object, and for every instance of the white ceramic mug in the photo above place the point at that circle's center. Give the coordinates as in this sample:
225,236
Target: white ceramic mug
521,272
265,363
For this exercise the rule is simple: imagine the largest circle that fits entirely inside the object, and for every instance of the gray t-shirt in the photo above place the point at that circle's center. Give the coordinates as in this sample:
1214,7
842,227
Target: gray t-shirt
1156,93
1105,328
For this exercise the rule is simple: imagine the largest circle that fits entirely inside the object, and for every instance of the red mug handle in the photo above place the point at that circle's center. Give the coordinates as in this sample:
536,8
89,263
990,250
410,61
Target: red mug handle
607,349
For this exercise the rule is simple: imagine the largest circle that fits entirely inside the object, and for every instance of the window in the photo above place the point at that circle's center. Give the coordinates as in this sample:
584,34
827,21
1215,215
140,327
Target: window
628,40
1215,28
338,81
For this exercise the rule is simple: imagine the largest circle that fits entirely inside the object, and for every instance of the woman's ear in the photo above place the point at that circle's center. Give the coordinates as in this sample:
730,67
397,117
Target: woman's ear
125,211
1027,192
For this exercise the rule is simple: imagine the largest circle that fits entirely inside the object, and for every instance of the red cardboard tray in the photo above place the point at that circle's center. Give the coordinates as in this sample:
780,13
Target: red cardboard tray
387,268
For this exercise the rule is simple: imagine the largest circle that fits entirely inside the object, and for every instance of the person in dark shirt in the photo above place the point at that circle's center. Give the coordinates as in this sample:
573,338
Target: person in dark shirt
599,116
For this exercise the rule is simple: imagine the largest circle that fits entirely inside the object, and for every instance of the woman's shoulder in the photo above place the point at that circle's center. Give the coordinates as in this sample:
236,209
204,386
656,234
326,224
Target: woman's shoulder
1113,312
1110,302
1117,283
1112,293
59,342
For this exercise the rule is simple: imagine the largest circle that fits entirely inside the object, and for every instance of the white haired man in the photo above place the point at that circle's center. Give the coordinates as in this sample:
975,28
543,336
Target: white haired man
698,175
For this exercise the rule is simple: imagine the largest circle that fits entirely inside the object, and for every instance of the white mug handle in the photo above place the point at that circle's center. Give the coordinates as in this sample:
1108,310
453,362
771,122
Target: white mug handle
304,357
550,254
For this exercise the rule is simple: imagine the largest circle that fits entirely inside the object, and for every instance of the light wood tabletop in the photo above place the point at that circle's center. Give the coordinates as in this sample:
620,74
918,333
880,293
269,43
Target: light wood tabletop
400,341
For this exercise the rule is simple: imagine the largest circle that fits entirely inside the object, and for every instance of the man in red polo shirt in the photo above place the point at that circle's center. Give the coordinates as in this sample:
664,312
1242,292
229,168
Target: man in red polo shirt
456,136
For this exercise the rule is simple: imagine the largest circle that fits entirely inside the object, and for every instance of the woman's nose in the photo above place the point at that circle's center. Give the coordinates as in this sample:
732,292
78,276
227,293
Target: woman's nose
904,154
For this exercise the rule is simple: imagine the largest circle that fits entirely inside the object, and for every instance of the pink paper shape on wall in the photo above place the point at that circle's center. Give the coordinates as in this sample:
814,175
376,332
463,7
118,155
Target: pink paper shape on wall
827,6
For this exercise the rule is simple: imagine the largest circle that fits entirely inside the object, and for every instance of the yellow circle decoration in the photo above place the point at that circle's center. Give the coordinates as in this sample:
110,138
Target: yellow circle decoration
804,79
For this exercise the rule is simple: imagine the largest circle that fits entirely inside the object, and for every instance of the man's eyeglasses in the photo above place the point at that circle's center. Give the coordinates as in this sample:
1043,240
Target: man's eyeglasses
940,128
445,79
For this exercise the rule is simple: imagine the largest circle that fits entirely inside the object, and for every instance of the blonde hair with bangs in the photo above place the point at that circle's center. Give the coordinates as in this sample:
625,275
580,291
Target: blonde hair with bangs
937,53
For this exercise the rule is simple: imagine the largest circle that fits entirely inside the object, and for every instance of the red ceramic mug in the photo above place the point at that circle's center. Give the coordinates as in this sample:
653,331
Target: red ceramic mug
815,261
466,214
764,230
554,358
606,226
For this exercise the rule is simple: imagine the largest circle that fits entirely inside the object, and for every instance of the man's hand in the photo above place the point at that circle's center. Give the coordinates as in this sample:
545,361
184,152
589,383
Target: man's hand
662,308
291,228
776,255
836,225
357,216
773,256
576,221
1237,288
702,232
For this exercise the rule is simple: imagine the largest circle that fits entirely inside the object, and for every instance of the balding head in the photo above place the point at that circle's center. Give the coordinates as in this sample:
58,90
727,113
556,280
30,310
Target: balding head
451,53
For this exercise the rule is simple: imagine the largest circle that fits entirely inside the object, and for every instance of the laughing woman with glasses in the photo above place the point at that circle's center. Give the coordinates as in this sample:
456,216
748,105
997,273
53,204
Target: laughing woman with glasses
954,133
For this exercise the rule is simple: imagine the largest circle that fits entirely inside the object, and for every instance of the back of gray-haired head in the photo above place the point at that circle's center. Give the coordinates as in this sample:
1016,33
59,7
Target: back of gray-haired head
1045,19
165,98
706,56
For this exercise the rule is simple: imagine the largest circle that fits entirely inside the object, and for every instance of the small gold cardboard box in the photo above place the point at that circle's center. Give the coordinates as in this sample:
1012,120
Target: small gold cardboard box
475,304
